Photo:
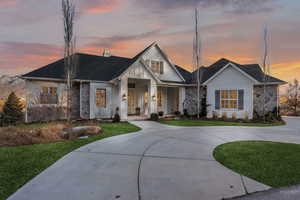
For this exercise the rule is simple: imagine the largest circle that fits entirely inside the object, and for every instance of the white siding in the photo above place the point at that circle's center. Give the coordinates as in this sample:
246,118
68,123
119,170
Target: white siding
169,72
229,79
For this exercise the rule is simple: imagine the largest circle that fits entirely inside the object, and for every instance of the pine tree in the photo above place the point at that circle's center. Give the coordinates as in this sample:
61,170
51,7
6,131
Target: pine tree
12,110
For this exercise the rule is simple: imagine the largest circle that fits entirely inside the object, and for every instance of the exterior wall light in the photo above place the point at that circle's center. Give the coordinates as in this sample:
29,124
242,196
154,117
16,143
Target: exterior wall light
153,98
124,97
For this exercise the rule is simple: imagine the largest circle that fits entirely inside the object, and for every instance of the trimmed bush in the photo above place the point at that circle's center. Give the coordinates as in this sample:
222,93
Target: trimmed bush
154,117
161,113
116,118
177,113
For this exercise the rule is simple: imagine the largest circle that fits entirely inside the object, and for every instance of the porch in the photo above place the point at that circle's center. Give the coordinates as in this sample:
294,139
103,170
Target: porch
164,99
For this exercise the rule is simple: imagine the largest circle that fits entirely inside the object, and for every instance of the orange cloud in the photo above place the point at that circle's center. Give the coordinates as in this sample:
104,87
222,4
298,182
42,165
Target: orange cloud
96,6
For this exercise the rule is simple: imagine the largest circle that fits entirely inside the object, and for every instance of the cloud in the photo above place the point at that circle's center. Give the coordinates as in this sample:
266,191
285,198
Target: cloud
8,3
98,6
108,42
16,57
21,48
233,6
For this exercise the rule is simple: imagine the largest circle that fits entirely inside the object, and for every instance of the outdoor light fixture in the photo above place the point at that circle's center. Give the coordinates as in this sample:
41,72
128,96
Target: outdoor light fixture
153,98
124,97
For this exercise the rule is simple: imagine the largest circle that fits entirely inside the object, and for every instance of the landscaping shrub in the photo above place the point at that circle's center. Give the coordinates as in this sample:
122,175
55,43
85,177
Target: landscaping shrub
154,117
234,116
224,116
177,113
246,116
186,113
215,115
16,136
117,117
12,110
204,106
161,113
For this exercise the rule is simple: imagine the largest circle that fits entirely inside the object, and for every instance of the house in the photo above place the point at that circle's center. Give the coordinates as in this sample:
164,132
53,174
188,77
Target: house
147,83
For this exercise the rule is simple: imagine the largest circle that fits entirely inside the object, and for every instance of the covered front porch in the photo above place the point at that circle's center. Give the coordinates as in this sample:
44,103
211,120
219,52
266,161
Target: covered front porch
142,96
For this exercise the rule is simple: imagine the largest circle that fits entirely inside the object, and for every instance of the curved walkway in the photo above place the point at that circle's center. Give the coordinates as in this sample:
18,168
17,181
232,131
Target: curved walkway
158,162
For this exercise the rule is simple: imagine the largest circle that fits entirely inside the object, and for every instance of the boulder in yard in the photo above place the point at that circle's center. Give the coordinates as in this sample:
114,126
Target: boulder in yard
76,132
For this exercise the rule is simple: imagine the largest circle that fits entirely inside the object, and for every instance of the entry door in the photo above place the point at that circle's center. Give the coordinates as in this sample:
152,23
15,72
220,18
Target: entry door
131,102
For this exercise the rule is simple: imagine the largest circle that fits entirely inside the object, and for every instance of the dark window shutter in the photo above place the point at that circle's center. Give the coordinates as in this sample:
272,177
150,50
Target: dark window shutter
241,99
161,67
217,99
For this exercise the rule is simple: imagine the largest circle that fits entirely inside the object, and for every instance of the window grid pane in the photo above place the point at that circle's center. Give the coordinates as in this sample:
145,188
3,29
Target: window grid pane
101,98
229,99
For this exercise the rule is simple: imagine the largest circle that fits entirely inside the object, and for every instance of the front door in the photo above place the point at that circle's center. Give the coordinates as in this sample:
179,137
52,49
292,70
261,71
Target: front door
131,102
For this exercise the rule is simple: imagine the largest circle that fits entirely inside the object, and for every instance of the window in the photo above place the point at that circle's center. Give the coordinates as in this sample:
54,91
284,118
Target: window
49,95
156,66
101,98
159,97
229,99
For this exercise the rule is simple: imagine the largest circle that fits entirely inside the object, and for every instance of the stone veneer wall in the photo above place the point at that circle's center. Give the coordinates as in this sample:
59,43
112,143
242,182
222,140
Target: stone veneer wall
190,102
75,107
258,98
85,100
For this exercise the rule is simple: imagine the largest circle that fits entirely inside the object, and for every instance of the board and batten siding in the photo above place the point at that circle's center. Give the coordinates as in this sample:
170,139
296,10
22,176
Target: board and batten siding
169,72
230,79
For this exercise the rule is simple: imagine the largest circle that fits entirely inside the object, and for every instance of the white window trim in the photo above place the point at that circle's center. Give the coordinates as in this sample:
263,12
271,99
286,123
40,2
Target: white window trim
230,109
157,60
105,89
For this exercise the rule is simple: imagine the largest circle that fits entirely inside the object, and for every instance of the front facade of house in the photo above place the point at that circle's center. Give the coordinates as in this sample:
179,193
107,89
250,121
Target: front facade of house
147,83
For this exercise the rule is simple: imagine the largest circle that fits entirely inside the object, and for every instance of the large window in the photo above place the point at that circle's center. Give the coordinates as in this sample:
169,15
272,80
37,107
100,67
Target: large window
229,99
156,66
49,95
101,98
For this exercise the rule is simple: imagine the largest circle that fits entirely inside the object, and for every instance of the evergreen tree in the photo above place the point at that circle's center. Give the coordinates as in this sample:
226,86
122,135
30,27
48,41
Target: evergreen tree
12,110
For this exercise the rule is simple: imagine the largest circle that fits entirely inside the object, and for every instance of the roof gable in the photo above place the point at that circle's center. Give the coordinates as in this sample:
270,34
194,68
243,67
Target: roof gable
224,68
170,72
253,71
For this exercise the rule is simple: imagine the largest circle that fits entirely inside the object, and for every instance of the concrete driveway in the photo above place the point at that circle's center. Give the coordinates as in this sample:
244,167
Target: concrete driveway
159,162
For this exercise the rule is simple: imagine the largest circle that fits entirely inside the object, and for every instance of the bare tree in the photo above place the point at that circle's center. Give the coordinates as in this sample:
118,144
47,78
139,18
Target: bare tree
266,69
70,59
197,59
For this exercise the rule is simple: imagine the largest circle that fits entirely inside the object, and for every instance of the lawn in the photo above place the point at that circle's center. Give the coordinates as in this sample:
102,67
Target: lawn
272,163
216,123
21,164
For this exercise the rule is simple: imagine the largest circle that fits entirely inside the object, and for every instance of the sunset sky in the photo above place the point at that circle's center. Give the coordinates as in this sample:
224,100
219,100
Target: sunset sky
31,33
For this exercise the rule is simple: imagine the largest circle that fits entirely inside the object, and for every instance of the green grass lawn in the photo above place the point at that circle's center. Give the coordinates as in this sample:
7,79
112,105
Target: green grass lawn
215,123
20,164
274,164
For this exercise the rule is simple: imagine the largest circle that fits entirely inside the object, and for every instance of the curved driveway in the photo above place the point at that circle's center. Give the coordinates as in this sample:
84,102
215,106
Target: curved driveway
159,162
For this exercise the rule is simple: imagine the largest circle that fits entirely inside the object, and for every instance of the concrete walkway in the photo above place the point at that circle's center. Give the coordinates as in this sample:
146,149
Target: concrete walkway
158,162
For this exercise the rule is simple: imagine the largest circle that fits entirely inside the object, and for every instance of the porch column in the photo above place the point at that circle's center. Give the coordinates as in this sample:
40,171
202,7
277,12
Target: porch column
153,96
181,99
123,102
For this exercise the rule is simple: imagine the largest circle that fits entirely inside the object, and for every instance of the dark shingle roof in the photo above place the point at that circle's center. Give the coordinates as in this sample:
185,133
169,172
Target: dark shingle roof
90,67
253,70
184,73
